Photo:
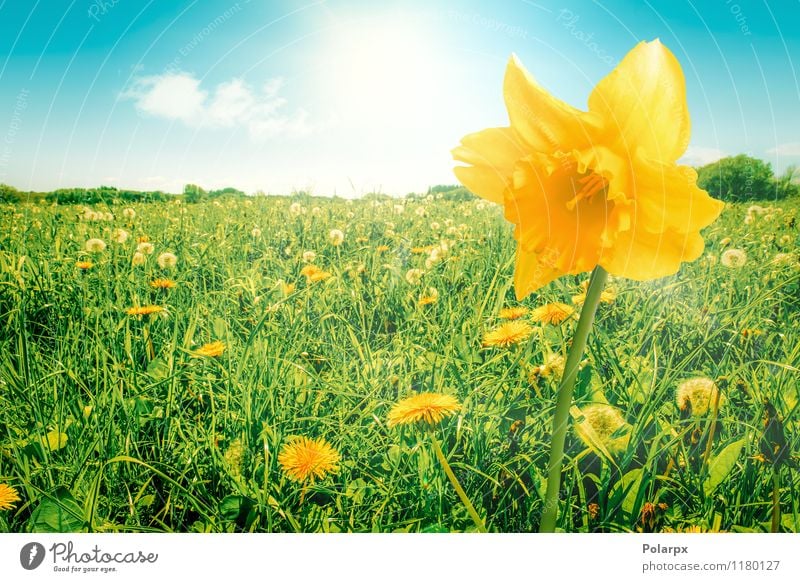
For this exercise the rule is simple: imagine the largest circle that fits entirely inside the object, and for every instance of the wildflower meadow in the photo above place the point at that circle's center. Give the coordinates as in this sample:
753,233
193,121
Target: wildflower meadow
309,364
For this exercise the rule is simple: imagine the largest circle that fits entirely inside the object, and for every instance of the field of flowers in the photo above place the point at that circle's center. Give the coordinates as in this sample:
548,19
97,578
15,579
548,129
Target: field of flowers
247,364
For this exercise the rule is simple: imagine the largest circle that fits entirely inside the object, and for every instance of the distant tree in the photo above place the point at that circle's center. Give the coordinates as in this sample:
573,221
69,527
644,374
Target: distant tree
194,193
739,178
8,193
789,182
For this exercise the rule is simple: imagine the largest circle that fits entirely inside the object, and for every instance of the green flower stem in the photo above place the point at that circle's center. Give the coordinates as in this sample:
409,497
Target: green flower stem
564,398
776,499
456,485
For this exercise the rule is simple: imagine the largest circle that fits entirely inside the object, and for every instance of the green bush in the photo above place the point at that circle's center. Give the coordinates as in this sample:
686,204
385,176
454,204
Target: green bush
740,178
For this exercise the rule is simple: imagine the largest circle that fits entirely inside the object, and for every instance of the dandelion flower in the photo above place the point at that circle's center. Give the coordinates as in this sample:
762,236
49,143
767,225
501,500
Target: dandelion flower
163,284
145,248
513,312
413,276
336,237
167,260
296,209
304,459
725,242
211,350
256,232
606,295
697,394
95,245
589,188
138,259
145,310
84,265
312,273
508,334
431,296
8,497
129,213
603,424
733,258
309,256
552,313
286,289
120,236
381,248
426,407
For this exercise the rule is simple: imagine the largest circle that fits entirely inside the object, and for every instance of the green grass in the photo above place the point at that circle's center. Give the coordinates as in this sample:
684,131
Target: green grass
178,443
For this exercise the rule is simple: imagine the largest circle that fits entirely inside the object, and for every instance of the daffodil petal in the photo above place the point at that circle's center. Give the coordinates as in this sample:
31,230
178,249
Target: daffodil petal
530,273
641,255
643,102
492,154
545,123
667,198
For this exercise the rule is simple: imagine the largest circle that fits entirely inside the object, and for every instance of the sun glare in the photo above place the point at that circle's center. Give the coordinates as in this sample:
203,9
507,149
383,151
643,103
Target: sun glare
383,71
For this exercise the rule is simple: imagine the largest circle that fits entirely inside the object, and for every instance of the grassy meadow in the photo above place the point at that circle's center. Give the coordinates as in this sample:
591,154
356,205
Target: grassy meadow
118,420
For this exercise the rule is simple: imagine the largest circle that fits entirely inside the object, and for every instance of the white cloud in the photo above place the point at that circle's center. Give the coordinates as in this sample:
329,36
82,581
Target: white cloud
700,156
179,97
786,149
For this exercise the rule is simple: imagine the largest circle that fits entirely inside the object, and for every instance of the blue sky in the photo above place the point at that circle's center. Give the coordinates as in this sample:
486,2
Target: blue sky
347,97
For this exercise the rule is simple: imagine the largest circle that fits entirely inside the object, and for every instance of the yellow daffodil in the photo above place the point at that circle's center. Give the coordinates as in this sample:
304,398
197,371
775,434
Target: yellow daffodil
597,187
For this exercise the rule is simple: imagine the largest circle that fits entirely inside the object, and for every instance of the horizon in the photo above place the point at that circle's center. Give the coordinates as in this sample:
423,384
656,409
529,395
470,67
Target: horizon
346,98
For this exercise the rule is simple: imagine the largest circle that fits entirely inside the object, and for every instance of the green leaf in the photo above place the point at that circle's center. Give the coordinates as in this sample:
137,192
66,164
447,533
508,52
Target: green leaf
57,513
626,491
435,529
158,369
721,466
236,508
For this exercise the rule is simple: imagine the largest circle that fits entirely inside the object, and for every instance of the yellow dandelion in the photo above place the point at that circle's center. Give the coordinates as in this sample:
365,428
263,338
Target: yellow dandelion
145,310
513,312
211,350
508,334
304,459
8,497
426,407
606,296
313,273
733,258
552,313
431,296
381,248
286,288
725,241
84,265
163,284
697,394
603,424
